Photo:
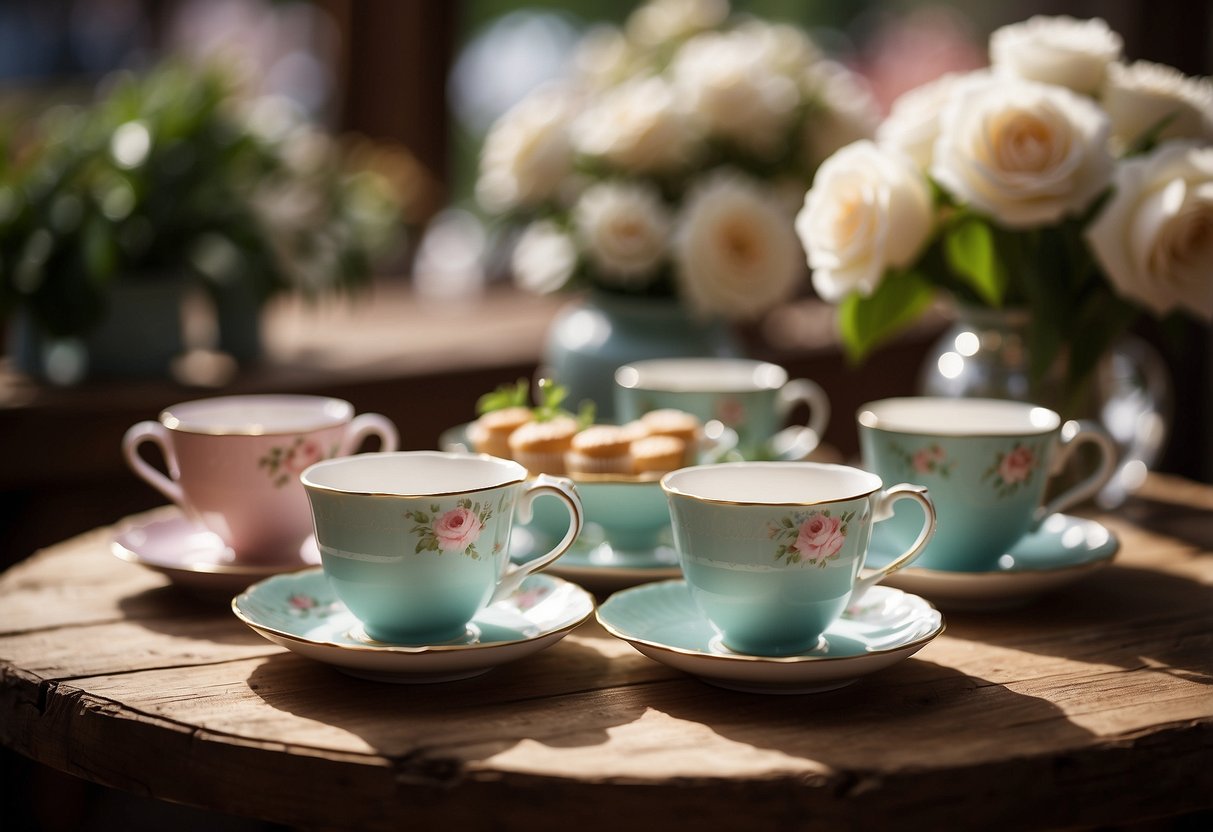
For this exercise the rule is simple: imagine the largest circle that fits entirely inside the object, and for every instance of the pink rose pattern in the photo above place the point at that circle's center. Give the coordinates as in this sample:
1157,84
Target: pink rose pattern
305,606
284,463
1012,469
454,530
730,411
929,459
814,537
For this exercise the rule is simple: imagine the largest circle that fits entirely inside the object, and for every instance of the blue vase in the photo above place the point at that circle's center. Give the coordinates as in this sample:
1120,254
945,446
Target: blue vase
593,336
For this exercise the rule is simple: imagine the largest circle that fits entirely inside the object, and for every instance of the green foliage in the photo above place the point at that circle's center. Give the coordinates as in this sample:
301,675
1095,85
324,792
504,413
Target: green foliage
868,322
160,177
507,395
971,252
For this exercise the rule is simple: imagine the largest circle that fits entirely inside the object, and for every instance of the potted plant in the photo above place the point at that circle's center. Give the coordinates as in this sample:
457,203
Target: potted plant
109,212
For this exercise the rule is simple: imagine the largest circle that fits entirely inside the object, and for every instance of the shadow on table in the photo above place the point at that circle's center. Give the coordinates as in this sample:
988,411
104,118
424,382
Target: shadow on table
1122,616
171,611
1177,520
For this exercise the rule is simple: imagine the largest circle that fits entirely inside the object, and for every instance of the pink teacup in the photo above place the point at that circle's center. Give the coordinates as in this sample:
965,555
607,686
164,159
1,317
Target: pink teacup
234,463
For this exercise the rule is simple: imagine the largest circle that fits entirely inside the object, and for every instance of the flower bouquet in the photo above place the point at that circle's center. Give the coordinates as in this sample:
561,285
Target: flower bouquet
672,162
1061,181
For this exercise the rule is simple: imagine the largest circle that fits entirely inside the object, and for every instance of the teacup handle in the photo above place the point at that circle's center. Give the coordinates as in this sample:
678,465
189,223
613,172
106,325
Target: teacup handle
883,510
157,434
801,390
369,424
1073,434
563,489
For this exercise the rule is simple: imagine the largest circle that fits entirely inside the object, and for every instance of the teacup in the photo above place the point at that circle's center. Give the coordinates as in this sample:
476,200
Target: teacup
772,551
751,397
415,543
234,463
986,461
628,514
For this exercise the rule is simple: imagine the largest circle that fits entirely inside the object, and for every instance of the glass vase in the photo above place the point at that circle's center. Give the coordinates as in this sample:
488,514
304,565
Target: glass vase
985,353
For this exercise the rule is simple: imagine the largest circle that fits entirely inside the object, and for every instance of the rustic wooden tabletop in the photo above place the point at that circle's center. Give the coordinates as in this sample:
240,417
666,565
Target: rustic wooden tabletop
1091,706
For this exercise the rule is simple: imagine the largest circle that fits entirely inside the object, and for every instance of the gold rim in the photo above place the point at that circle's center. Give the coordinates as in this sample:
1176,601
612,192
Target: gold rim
303,477
792,660
173,423
403,650
671,490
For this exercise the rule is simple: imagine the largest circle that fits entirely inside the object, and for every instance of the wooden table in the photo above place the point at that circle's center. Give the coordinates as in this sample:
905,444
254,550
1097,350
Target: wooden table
1092,706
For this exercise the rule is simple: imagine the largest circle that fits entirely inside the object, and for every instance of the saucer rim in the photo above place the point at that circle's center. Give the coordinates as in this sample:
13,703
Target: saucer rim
231,570
401,649
784,660
1007,574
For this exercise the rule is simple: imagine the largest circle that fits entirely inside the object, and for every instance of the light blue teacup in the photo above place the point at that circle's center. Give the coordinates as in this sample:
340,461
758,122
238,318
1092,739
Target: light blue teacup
986,461
416,543
753,398
772,551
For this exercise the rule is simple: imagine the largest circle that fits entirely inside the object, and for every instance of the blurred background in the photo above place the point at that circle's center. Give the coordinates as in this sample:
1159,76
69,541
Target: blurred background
382,282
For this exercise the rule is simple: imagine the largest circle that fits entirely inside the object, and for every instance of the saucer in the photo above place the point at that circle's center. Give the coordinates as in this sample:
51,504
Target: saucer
661,620
300,612
1063,550
594,564
194,557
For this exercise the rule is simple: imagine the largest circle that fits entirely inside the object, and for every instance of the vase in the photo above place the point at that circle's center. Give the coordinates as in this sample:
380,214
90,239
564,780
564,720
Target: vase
138,337
592,336
985,353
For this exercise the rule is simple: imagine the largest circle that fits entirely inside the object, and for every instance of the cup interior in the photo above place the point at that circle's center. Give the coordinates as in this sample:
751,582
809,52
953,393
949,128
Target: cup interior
257,415
771,483
413,473
958,417
701,375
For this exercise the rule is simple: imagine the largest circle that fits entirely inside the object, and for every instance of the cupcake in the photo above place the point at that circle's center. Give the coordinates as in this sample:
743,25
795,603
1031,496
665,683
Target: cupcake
600,449
541,446
678,424
490,434
657,454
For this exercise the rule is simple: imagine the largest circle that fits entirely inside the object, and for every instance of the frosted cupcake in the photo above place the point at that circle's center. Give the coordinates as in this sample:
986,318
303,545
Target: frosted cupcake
657,454
490,434
541,446
600,449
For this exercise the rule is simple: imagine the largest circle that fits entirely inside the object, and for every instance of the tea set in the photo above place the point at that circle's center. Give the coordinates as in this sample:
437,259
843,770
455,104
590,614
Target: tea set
759,575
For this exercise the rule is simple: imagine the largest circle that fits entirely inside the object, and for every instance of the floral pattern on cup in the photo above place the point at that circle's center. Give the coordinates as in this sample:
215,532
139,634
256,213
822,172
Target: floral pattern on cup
928,459
731,411
1012,469
454,530
814,537
286,462
529,596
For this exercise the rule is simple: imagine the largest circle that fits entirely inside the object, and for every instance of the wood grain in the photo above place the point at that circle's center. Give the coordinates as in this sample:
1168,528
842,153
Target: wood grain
1090,707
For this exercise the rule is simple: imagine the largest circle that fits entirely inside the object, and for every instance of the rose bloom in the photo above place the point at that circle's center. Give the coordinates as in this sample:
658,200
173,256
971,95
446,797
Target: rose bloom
624,229
603,57
1026,154
659,21
456,529
1139,96
1154,237
869,209
924,460
1057,50
635,126
1017,465
913,124
820,537
543,258
527,153
735,250
726,89
302,455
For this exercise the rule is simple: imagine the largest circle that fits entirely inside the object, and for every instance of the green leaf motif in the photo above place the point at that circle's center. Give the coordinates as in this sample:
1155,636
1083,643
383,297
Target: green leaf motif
867,322
972,253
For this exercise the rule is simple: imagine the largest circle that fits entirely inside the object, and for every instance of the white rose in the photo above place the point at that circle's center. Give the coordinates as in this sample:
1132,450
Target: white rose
913,123
1139,96
1154,237
784,48
869,209
603,57
659,21
1057,50
846,111
635,126
624,229
527,153
544,258
728,90
1024,153
735,249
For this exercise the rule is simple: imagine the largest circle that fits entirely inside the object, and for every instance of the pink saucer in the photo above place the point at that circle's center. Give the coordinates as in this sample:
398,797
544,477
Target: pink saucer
195,558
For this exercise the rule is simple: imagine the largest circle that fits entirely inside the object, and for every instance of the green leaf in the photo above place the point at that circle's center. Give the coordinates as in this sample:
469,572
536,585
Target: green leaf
973,256
866,323
507,395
